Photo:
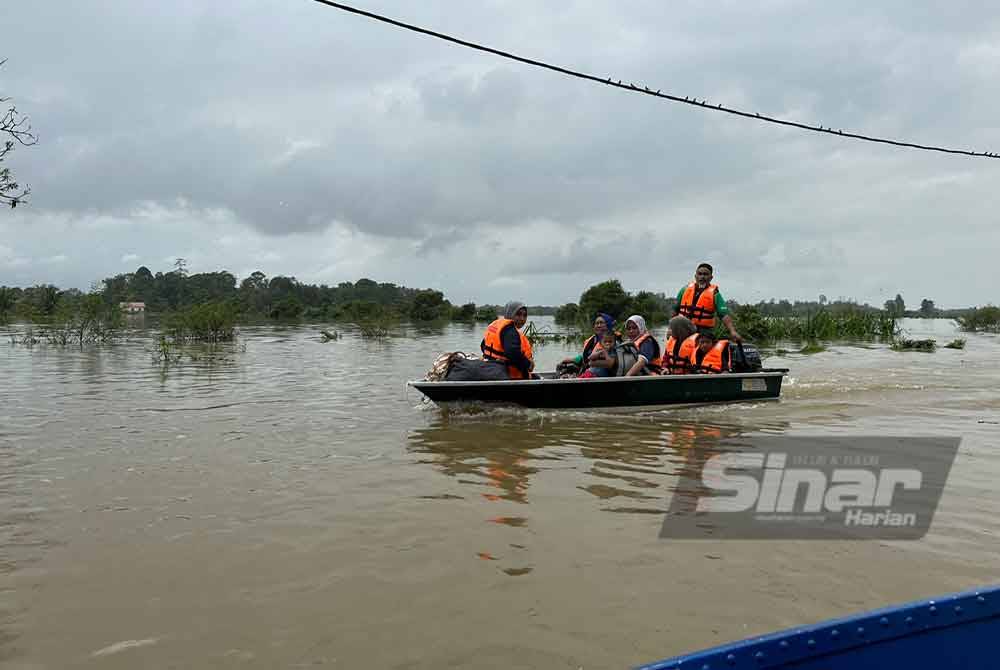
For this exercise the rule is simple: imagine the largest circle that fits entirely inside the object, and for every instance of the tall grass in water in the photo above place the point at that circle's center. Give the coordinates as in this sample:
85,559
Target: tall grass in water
821,325
208,322
985,319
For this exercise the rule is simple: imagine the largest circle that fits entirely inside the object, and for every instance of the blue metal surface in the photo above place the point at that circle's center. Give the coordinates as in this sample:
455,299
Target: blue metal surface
960,631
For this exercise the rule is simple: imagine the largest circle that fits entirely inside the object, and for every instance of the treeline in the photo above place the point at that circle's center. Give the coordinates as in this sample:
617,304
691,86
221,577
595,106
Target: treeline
256,297
610,297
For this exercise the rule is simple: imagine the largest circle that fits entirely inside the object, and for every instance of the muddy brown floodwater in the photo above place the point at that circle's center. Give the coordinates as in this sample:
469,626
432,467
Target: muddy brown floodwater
294,506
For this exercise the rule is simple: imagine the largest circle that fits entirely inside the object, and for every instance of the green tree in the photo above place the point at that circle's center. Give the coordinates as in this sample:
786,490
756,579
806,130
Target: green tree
253,293
568,313
41,300
609,297
652,306
8,298
289,307
429,305
927,308
466,312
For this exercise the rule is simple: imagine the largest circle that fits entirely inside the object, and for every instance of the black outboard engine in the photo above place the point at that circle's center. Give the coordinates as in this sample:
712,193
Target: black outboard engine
745,357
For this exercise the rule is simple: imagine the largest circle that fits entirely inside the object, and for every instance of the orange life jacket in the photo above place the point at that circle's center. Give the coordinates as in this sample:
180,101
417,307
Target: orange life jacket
714,360
593,344
677,353
702,313
637,342
492,346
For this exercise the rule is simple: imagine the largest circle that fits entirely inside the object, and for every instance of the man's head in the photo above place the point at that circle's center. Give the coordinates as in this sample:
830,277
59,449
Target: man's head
703,275
520,317
705,341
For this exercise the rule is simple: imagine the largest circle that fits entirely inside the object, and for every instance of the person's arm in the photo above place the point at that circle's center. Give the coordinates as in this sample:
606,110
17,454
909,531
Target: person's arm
677,303
647,352
511,340
723,311
603,359
733,335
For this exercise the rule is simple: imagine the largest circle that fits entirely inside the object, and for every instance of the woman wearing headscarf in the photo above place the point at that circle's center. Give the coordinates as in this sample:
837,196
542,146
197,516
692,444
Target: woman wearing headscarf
504,343
603,324
647,348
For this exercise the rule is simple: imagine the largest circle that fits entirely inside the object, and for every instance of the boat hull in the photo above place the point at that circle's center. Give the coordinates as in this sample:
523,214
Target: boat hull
957,632
550,392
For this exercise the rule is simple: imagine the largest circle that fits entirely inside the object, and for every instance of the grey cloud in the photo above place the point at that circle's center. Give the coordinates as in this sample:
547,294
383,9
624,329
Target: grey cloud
423,145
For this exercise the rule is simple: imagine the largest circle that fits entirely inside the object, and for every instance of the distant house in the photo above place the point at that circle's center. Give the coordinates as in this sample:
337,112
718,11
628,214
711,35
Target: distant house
133,307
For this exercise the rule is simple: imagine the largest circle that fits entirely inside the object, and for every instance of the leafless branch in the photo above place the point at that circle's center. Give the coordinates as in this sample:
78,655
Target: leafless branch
16,130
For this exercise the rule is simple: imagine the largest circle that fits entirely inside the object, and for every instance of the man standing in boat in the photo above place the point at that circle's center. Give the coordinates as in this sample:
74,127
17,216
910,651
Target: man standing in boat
701,302
506,344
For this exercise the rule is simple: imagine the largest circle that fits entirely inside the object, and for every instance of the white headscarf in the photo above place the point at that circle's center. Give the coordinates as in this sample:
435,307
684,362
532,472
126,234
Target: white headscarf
638,321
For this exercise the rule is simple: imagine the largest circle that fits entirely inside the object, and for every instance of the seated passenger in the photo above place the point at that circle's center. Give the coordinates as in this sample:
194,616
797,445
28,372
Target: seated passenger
681,341
603,360
504,343
604,323
647,348
710,356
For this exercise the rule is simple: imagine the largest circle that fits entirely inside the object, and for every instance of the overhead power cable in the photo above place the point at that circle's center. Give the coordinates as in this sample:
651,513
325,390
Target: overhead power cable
618,83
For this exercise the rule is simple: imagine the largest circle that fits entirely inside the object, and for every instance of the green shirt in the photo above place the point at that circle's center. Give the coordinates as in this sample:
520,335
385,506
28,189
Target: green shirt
720,303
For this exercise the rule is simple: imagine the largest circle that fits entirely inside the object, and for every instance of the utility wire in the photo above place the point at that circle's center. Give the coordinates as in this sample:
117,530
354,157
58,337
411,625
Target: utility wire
648,91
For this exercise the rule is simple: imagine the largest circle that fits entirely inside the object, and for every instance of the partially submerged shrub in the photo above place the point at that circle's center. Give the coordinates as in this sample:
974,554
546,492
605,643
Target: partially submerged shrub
903,344
985,319
209,322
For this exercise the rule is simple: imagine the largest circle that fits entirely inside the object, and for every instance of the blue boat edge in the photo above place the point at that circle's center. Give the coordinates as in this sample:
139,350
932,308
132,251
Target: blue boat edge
958,630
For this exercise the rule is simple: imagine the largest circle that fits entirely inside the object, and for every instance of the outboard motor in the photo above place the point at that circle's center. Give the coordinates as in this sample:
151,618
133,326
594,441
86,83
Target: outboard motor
745,357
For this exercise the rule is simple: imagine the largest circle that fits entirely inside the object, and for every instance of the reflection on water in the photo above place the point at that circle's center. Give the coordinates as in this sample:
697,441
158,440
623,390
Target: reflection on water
295,503
630,463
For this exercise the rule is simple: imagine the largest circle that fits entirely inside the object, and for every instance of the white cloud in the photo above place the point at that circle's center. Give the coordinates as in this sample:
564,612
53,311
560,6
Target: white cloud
130,258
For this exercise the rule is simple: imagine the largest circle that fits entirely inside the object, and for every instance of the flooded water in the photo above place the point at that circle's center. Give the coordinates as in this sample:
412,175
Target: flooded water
294,505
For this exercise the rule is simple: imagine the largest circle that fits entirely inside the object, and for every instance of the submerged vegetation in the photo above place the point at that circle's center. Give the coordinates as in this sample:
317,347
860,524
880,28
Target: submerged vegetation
903,344
958,343
536,336
210,322
843,324
981,319
72,317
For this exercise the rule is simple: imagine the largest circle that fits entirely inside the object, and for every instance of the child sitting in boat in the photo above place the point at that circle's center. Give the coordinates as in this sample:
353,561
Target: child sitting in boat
710,355
604,359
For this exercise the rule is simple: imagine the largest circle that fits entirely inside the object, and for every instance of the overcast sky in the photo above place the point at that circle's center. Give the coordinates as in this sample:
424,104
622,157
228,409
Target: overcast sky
285,136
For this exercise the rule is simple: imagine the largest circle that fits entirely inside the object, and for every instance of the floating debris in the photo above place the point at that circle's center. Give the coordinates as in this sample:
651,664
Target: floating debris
903,344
